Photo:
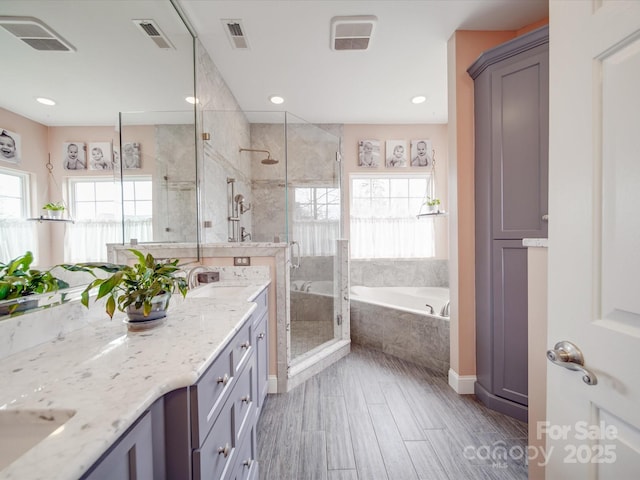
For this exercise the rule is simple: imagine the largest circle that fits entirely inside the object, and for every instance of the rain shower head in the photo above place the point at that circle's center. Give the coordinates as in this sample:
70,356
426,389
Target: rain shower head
265,161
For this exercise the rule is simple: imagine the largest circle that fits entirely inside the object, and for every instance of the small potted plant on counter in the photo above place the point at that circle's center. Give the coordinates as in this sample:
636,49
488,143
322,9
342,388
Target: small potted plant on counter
18,281
141,290
54,209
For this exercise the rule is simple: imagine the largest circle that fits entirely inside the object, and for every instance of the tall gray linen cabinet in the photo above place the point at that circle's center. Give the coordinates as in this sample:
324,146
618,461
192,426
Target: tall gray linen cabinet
511,88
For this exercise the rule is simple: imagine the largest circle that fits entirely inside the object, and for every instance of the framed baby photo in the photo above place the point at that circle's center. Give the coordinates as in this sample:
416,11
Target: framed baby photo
421,153
100,156
396,153
74,156
10,146
131,155
369,153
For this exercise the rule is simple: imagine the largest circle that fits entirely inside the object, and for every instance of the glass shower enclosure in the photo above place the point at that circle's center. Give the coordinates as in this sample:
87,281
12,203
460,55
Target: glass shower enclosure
295,200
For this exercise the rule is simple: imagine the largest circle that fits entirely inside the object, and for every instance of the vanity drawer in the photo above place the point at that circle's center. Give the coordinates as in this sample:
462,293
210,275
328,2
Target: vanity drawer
211,392
244,396
242,346
217,455
247,459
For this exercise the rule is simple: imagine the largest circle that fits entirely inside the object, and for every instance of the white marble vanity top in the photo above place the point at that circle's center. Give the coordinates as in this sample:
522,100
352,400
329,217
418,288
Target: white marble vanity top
110,376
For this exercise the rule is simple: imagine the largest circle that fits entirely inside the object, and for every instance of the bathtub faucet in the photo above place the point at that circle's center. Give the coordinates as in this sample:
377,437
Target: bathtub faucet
446,309
305,286
431,310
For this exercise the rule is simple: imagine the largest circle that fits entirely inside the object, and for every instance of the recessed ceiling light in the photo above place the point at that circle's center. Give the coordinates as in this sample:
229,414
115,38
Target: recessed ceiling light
192,100
276,99
45,101
418,99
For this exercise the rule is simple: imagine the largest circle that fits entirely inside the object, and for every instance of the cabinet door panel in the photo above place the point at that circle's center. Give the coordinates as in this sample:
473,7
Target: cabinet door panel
261,342
131,458
510,319
520,148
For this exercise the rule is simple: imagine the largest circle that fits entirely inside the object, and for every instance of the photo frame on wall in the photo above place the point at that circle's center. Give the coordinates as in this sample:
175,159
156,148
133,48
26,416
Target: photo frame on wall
421,153
100,156
10,146
131,155
396,153
74,156
369,153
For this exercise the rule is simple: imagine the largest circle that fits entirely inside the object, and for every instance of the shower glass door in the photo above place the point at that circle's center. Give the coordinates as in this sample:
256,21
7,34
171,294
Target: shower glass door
313,228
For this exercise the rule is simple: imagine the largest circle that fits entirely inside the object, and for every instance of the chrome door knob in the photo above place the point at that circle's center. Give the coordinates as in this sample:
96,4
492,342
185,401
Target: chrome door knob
567,355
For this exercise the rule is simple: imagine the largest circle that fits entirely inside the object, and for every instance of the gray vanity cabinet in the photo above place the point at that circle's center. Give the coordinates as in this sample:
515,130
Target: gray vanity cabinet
511,88
210,426
207,430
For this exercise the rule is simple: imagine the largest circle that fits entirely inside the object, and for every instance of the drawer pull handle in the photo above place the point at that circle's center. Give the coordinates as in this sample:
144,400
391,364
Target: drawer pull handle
224,451
246,344
246,399
261,336
223,380
247,463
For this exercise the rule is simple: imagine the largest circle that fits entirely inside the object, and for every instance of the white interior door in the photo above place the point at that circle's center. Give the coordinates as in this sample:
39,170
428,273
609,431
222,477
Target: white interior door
594,237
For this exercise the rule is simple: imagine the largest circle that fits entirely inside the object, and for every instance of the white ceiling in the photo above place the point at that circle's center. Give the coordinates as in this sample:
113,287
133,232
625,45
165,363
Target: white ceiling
290,54
117,69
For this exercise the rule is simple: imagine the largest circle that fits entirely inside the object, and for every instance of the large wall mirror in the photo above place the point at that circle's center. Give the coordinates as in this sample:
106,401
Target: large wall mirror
117,148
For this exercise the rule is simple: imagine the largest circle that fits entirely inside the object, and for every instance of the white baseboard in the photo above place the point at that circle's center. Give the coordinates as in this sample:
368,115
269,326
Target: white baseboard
273,384
462,384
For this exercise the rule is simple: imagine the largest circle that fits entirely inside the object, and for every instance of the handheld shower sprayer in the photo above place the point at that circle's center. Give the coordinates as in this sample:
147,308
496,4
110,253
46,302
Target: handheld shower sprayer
244,207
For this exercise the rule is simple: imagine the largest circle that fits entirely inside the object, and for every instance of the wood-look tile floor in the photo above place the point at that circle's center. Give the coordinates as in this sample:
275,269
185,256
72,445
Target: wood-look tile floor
372,416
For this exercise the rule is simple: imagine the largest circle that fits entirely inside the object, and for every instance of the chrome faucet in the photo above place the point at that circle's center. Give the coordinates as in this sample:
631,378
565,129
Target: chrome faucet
192,275
431,310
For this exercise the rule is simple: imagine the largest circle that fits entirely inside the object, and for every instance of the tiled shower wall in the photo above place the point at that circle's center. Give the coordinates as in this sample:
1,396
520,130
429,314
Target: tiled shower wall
310,161
174,185
219,157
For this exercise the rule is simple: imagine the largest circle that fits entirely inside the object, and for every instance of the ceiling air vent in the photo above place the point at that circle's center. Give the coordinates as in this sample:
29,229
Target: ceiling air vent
352,33
235,32
36,34
151,30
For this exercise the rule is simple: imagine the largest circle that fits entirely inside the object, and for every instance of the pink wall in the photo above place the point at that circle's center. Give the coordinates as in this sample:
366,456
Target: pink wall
437,133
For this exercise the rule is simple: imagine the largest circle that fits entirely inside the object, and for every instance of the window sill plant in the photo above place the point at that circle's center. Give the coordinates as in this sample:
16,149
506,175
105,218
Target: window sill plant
141,290
54,209
18,280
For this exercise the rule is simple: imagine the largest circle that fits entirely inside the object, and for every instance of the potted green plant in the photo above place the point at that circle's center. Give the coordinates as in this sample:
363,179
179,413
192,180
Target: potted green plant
433,204
141,290
54,209
18,280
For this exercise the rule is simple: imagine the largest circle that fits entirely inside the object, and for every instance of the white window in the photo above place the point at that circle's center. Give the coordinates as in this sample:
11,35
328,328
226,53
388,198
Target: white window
97,210
17,234
384,222
316,220
14,194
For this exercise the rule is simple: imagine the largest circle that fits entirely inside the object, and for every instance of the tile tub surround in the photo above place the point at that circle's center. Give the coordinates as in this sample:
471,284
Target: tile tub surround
421,339
381,272
110,376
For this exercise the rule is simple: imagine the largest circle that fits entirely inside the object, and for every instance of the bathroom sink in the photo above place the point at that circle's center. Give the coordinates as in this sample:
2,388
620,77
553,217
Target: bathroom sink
21,430
232,292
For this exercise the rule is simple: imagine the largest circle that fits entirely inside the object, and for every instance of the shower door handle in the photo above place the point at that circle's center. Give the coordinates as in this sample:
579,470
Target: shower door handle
297,245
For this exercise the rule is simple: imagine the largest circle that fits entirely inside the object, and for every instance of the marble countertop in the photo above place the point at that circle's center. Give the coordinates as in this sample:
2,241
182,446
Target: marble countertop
109,376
